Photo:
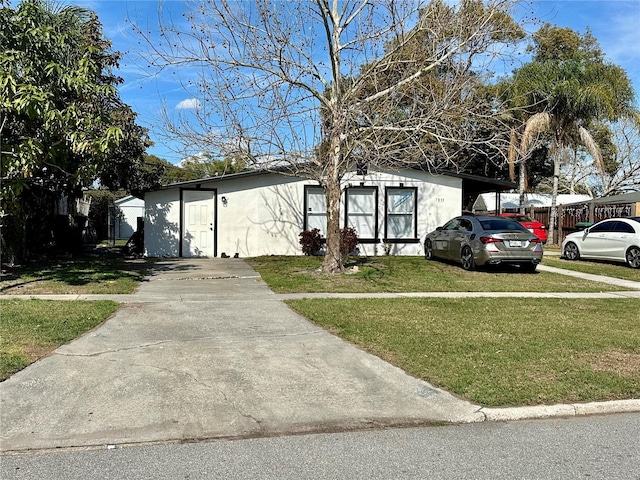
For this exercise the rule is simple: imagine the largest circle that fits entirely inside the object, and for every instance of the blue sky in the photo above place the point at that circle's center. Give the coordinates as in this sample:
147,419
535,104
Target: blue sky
614,23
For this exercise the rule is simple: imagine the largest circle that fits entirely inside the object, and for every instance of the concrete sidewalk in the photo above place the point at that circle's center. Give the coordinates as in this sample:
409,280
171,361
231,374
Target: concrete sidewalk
205,350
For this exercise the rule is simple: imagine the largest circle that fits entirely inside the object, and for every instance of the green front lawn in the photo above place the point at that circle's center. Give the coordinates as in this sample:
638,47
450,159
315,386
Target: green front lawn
87,274
297,274
498,352
30,329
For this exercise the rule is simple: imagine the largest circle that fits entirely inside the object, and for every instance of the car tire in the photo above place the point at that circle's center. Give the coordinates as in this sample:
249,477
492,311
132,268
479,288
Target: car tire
529,267
633,257
571,251
466,258
428,250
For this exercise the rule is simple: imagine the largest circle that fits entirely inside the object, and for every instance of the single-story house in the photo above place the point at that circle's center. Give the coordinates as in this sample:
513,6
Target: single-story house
487,202
262,213
127,211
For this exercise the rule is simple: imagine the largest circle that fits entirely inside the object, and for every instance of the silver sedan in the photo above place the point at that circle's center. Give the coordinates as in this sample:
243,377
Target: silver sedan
484,240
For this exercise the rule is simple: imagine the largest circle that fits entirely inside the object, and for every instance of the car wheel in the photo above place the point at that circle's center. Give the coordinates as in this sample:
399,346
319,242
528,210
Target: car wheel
428,250
466,257
571,251
633,257
529,267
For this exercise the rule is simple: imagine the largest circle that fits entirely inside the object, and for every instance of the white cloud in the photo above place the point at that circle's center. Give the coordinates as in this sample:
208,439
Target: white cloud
188,104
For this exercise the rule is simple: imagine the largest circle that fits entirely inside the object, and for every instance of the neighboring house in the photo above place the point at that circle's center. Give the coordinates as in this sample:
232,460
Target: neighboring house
127,211
262,213
487,202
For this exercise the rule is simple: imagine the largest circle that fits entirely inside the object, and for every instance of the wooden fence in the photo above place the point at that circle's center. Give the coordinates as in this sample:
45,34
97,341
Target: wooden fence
569,216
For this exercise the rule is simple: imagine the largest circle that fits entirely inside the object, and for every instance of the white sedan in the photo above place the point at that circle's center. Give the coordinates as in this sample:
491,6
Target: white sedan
616,239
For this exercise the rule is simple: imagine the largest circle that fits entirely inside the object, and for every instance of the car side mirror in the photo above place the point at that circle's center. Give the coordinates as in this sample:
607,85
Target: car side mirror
438,229
586,230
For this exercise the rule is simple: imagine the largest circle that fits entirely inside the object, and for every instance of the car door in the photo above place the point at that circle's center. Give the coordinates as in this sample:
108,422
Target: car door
617,240
595,241
459,237
443,239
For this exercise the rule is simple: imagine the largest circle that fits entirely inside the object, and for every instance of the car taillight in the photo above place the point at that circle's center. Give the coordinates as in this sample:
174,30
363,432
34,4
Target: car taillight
535,240
486,240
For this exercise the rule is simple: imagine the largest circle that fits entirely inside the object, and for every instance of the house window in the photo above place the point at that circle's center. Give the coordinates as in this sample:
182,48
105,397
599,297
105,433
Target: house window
401,219
362,212
315,209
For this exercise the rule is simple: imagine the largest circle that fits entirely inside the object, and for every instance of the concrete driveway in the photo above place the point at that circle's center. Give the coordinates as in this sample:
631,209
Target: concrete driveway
208,351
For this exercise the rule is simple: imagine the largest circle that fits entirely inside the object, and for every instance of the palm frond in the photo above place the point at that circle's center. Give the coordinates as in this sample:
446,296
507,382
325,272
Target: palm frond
536,124
593,149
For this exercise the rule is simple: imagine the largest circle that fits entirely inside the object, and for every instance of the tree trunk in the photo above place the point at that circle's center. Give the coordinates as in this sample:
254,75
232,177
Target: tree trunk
333,257
521,186
554,197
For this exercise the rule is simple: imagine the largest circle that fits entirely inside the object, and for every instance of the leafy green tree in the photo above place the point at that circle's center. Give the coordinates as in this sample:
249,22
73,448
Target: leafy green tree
167,171
567,87
125,168
53,98
62,123
205,165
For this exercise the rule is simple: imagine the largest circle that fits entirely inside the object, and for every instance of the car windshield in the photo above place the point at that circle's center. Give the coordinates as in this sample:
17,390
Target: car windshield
522,218
501,224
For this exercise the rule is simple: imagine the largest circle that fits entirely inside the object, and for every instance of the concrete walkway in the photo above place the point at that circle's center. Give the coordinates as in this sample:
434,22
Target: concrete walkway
205,350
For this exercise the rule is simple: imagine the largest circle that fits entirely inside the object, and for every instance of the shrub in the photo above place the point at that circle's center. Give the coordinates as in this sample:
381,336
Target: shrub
311,241
348,240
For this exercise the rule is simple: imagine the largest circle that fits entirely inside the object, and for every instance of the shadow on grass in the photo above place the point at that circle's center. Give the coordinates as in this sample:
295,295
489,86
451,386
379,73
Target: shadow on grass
76,271
499,268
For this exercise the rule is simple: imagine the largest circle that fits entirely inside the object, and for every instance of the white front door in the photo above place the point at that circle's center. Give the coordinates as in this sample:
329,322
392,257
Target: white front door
198,223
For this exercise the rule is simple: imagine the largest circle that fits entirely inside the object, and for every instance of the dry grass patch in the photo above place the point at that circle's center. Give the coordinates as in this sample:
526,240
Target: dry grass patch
626,364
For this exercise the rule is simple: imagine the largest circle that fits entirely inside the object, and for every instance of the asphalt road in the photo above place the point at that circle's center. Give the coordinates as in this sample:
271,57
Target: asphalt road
594,447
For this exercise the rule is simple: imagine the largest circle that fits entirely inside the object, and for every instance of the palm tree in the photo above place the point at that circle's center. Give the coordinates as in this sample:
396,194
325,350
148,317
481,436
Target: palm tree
566,87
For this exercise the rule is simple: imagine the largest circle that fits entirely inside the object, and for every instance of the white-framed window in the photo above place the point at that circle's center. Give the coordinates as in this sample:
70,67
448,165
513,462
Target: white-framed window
315,209
361,207
401,213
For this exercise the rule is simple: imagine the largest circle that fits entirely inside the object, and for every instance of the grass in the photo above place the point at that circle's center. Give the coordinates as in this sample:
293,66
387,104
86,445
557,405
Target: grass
116,243
87,274
30,329
495,352
498,352
594,267
296,274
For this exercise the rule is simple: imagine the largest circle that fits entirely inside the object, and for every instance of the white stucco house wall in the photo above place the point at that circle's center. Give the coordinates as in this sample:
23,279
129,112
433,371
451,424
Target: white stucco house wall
127,211
262,213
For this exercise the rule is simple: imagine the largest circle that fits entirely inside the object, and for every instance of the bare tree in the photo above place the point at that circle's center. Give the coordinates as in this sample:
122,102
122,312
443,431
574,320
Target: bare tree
621,173
626,138
325,86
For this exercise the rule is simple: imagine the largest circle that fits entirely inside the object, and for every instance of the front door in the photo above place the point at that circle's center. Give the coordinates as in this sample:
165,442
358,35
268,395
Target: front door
198,223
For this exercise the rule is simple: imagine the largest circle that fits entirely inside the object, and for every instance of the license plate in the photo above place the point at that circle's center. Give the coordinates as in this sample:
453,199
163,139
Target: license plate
515,243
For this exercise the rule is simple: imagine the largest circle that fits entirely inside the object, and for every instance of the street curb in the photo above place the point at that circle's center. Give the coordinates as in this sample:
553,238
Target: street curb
561,410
